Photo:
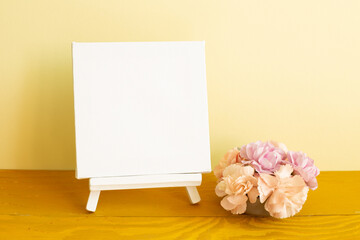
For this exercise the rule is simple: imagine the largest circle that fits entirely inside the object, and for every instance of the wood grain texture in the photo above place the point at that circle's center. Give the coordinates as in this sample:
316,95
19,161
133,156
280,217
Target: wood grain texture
51,205
242,227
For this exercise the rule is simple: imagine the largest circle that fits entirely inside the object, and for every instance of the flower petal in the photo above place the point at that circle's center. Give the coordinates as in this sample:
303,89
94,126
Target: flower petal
232,201
240,209
266,185
247,171
253,194
237,199
226,204
312,184
284,171
220,189
234,170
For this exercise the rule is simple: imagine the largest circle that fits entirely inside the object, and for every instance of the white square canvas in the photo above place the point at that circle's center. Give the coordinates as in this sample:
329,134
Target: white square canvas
140,108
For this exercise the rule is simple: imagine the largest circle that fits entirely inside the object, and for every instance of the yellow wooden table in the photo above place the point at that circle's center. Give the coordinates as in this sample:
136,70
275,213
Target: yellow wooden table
51,205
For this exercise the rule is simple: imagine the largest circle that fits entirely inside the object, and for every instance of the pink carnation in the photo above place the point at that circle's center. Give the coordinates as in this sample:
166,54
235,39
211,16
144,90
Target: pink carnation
263,156
304,166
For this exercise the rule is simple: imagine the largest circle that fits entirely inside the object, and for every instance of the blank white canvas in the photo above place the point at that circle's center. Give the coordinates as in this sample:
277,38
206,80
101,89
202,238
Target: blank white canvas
140,108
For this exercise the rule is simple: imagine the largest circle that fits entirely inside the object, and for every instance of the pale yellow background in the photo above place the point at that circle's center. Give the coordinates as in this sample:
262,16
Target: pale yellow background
283,70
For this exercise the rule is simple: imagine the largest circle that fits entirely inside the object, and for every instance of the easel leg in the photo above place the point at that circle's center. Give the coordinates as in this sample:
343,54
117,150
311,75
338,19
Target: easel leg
193,194
93,200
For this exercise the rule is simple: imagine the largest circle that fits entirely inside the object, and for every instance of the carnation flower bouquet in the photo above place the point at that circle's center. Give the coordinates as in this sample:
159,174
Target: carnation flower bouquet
267,171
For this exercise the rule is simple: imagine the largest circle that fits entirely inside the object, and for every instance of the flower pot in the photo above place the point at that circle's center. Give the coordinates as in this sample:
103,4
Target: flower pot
256,209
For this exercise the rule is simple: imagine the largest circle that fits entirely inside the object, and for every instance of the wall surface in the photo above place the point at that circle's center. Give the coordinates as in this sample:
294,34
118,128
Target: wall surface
283,70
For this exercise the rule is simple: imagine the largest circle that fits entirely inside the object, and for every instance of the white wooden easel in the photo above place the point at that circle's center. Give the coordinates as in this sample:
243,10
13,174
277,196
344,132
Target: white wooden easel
141,116
190,181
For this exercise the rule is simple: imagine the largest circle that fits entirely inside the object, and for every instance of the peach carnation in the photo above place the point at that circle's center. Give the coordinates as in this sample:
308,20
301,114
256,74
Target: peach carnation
238,184
284,194
231,157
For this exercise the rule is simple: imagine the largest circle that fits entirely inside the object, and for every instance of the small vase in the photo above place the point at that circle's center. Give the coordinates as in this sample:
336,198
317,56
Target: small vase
256,209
